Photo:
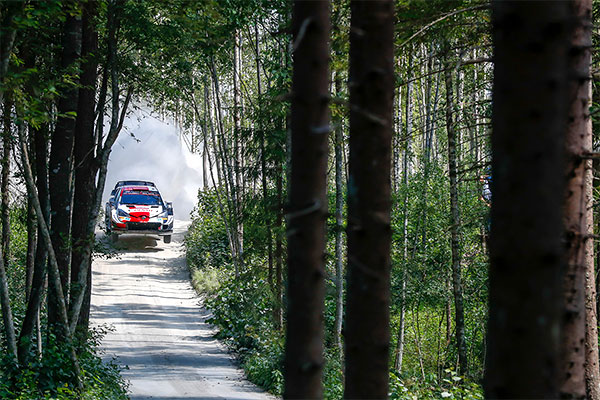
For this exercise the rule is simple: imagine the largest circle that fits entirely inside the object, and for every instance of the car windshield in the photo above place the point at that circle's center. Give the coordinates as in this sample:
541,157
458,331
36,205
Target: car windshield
141,197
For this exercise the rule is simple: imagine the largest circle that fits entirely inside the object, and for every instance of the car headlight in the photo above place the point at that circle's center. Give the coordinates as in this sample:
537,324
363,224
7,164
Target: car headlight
122,213
163,214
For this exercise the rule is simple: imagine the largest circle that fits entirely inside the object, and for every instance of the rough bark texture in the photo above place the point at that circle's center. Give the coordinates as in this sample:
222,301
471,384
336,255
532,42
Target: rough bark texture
307,213
580,336
526,243
61,164
459,313
85,165
371,82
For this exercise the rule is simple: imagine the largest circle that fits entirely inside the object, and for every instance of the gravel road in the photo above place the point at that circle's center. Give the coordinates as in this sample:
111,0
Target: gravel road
160,329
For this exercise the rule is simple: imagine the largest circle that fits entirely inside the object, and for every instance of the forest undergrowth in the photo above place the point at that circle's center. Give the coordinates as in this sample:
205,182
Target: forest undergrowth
243,306
50,376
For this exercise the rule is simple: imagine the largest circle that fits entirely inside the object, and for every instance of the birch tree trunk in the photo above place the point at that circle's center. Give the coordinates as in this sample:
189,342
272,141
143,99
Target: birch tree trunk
237,152
40,144
459,318
339,225
54,273
7,316
4,185
405,173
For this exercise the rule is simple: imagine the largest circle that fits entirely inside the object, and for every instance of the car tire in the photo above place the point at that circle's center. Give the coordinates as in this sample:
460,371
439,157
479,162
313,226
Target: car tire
114,237
167,238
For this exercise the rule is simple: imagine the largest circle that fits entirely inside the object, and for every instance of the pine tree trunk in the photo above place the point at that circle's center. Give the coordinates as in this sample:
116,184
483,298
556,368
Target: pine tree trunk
371,75
529,119
307,212
580,331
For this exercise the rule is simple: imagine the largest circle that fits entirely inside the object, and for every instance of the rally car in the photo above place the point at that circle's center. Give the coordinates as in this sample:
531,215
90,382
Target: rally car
136,207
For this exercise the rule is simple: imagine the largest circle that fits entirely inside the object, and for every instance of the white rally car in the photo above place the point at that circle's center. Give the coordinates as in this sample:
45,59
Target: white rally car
138,209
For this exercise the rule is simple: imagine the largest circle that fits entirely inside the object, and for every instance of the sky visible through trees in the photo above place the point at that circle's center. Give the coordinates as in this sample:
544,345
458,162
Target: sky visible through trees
398,198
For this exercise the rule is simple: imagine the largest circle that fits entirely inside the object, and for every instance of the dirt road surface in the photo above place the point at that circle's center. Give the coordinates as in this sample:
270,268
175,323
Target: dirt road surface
160,329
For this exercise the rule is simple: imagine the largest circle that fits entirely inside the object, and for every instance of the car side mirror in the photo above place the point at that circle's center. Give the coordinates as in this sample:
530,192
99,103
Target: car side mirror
169,208
111,200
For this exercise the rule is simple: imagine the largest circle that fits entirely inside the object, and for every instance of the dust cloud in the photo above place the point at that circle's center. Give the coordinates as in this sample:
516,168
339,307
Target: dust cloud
150,149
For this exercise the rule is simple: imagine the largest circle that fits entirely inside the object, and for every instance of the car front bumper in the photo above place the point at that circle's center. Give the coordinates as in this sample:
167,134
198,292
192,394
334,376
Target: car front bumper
142,232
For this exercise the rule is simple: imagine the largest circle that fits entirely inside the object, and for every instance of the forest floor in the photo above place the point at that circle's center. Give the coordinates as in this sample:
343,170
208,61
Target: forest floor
160,330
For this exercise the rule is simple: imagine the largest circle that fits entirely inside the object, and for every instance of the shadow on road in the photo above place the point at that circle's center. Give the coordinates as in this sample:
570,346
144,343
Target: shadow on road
138,244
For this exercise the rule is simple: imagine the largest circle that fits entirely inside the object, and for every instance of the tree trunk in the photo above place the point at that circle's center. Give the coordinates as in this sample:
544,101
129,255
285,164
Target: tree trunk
237,153
85,166
61,165
62,324
339,224
4,185
580,333
263,169
117,112
405,173
229,180
307,213
40,142
529,118
278,309
7,316
459,318
11,12
369,199
31,247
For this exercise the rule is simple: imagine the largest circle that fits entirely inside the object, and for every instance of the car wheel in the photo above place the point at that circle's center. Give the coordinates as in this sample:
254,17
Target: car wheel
167,238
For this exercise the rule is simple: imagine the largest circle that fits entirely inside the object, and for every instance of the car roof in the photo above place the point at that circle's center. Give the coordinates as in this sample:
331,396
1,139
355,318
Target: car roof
134,183
140,187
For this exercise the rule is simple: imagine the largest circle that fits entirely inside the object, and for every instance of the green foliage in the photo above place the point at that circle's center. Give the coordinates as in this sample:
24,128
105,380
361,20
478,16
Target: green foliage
206,280
206,242
49,377
242,311
451,386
